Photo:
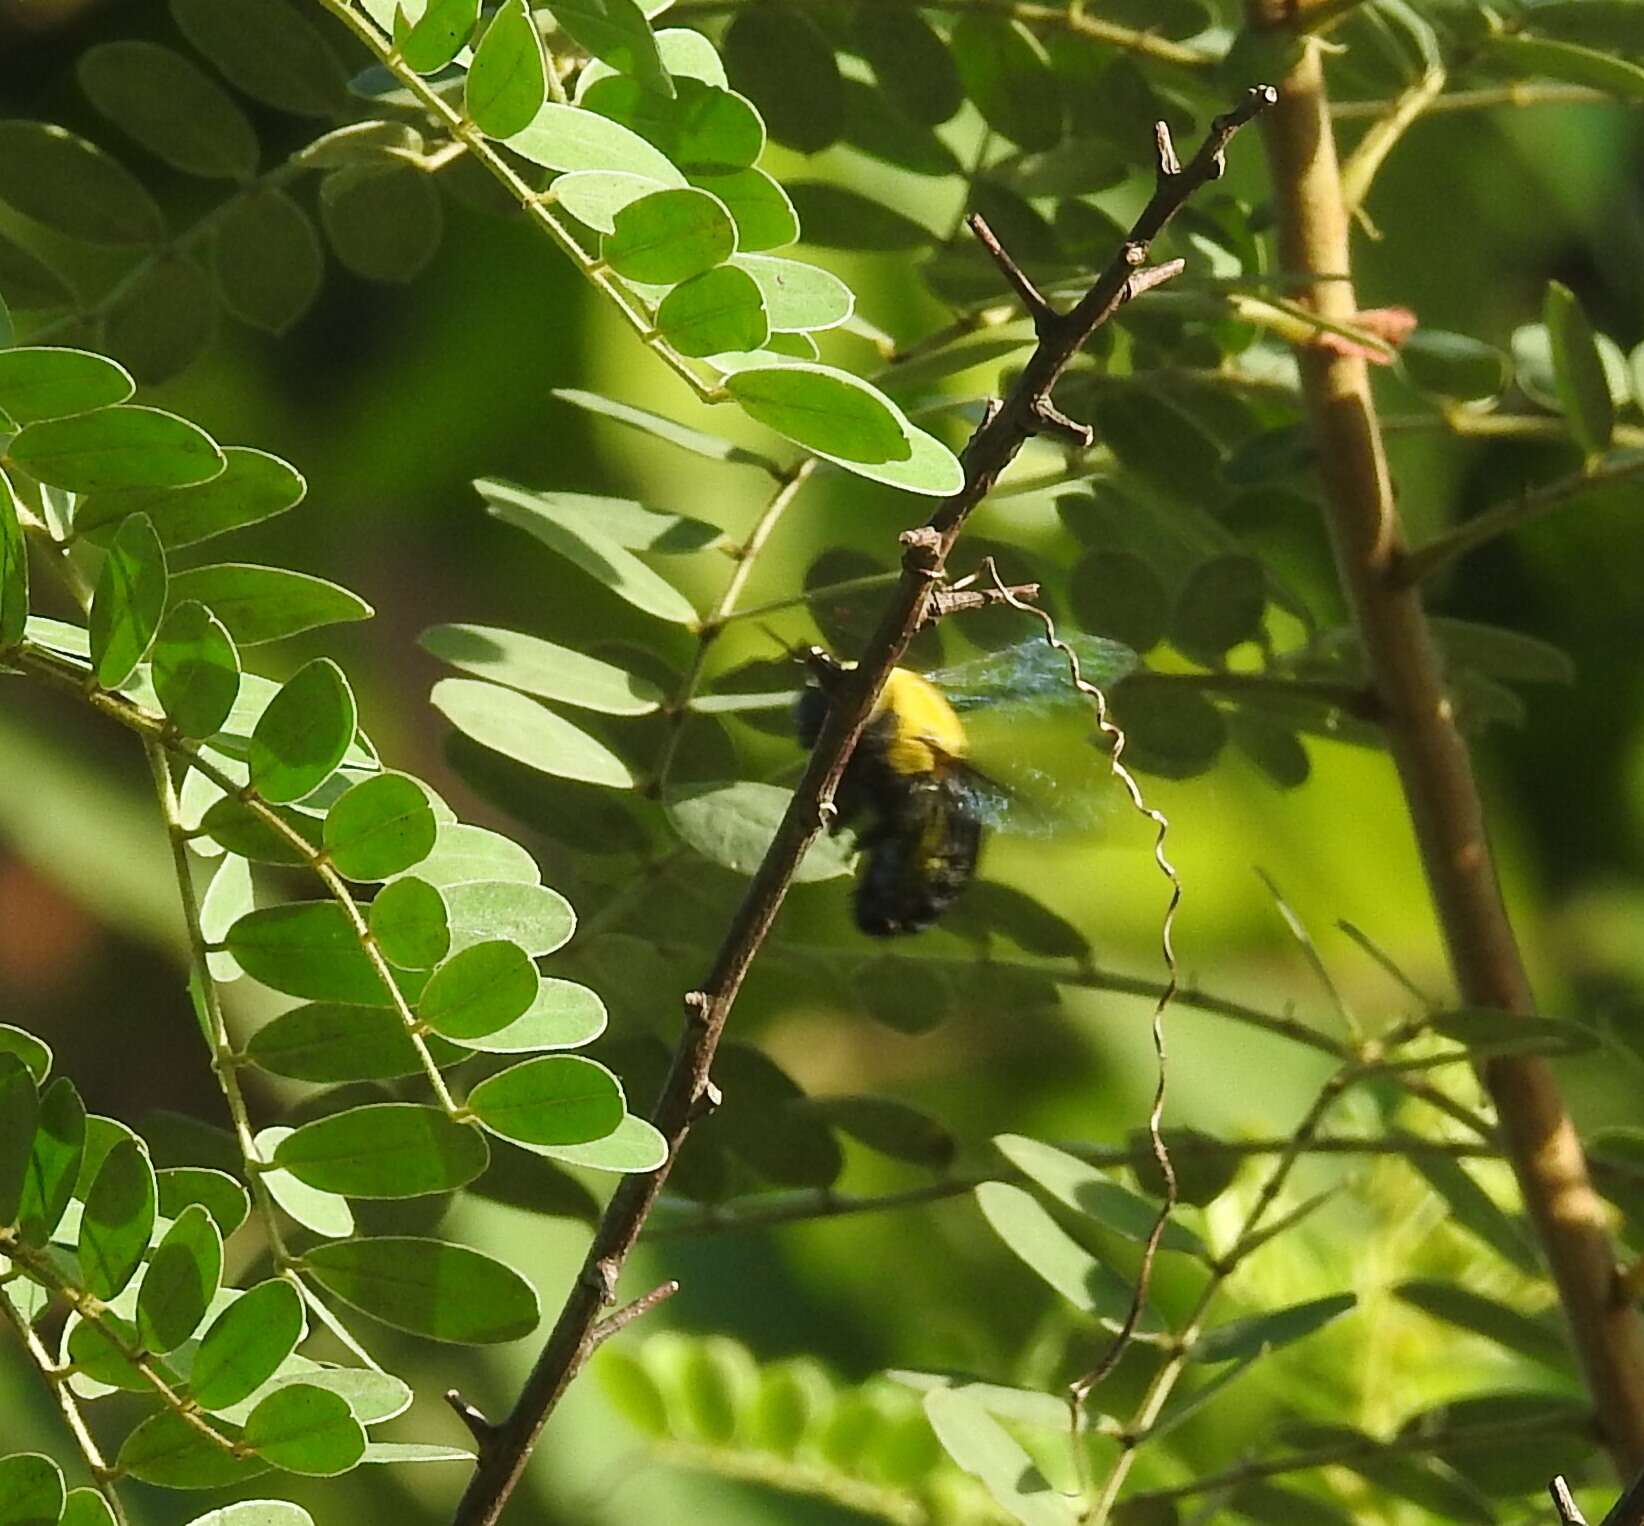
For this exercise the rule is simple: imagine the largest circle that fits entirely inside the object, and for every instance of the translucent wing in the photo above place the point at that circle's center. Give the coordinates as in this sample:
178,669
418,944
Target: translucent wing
1033,674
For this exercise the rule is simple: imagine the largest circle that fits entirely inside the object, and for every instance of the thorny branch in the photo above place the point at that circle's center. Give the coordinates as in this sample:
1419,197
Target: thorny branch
1026,412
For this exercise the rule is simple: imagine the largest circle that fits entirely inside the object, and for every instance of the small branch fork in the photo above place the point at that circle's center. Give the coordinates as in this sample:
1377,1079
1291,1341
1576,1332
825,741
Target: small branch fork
1026,412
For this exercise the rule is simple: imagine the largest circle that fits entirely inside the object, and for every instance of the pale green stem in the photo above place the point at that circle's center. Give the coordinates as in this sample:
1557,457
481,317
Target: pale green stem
57,1380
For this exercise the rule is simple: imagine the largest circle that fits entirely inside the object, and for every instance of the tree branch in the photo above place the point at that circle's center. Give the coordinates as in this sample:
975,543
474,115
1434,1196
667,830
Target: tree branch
1433,763
991,449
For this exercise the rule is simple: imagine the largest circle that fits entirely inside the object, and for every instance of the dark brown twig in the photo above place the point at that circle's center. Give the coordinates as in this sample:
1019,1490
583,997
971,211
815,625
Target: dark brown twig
628,1313
1629,1509
991,449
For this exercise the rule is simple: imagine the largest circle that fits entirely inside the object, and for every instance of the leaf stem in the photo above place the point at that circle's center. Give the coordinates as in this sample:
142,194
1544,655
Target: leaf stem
73,1417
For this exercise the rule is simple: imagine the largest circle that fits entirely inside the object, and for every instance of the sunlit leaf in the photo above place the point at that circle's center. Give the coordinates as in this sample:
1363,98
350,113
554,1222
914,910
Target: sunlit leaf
119,1216
507,81
1028,1229
196,670
733,825
518,727
305,1429
246,1343
19,1110
981,1446
1239,1337
384,1150
182,1279
559,1099
563,137
121,447
381,826
304,733
427,1287
37,382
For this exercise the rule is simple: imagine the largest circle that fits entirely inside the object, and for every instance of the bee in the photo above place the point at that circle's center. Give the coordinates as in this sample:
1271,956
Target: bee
913,793
908,792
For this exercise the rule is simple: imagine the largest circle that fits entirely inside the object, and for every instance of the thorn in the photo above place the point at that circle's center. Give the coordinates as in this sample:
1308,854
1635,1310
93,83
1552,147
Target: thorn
1154,275
1045,317
1049,419
481,1429
626,1315
707,1101
1169,164
696,1006
1569,1513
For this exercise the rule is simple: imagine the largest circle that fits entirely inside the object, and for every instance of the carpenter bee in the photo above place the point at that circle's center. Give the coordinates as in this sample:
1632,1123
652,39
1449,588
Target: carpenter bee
914,792
908,792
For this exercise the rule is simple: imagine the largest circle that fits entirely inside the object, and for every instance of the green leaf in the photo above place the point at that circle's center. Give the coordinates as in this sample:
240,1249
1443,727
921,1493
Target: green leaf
411,923
215,1191
42,383
1240,1337
304,733
246,1344
782,61
257,1513
836,217
54,1158
1454,365
31,1490
1086,1190
824,409
669,236
760,208
572,536
508,80
478,990
440,33
1537,1339
328,1041
1220,606
381,826
1175,733
564,1015
196,670
33,1052
384,221
260,604
1028,1229
908,57
595,197
617,32
97,1348
654,424
632,1146
890,1127
232,825
1022,1406
733,825
19,1111
1488,1031
1578,374
73,187
163,322
463,853
985,1449
129,602
119,447
304,1429
876,125
559,1099
569,138
445,1292
181,1281
86,1507
623,521
542,668
1501,653
1272,747
721,309
253,486
265,256
118,1219
1567,61
540,920
324,1212
1007,77
307,949
166,1450
1472,1209
384,1150
269,51
798,296
1118,595
520,728
704,129
14,570
170,106
1533,369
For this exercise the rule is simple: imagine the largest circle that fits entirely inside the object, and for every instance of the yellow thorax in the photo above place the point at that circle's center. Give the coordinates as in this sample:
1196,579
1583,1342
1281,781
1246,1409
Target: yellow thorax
926,726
